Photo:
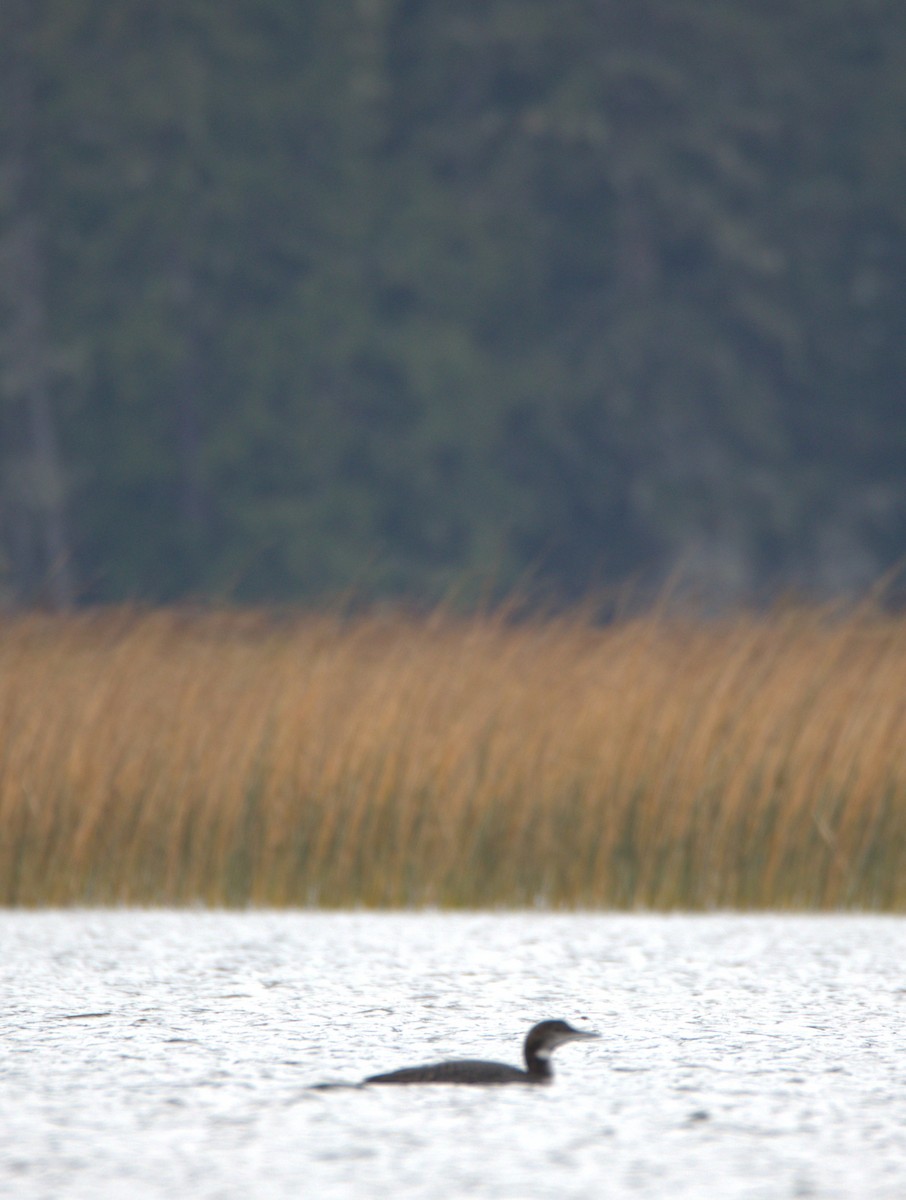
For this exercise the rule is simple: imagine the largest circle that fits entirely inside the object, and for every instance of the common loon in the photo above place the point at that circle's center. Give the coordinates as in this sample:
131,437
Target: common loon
540,1042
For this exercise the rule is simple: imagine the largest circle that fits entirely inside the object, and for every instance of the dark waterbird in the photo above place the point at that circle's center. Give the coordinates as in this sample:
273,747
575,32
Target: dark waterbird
540,1043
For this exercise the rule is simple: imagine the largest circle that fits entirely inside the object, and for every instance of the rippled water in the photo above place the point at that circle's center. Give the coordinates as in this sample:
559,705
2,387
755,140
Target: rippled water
166,1054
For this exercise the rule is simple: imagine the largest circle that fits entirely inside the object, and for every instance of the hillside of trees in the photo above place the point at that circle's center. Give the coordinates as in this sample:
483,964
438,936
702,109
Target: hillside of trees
389,295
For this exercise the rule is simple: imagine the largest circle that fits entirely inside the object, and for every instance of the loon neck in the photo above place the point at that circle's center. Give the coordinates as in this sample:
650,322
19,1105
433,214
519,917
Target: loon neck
538,1062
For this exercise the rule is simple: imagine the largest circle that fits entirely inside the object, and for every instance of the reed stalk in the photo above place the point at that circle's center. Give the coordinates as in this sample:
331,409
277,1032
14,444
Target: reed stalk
166,757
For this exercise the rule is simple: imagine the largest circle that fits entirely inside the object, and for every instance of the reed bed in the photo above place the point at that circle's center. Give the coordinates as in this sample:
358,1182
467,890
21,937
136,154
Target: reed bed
165,757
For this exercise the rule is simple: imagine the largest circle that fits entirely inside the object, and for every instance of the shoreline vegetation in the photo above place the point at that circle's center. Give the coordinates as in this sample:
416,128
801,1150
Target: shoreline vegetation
171,757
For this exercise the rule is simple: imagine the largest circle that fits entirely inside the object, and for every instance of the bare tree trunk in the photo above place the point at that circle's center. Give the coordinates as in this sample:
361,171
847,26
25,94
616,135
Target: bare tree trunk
34,482
188,390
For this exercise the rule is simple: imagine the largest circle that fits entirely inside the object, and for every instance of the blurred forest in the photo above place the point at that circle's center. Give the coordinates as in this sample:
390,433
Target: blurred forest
298,297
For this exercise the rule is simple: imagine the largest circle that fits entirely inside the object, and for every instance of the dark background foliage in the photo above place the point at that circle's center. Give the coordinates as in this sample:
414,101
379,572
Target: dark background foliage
393,294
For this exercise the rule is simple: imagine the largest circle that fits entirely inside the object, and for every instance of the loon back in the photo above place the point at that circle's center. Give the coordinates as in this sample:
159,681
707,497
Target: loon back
540,1043
461,1070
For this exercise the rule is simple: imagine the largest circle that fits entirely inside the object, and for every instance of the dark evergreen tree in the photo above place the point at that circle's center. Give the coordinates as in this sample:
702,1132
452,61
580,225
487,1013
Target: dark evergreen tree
304,297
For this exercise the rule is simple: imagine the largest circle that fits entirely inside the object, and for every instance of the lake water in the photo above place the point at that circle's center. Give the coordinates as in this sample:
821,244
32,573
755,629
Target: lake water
167,1054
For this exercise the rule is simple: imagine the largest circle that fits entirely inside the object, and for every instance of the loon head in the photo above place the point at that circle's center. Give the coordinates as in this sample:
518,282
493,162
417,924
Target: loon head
543,1039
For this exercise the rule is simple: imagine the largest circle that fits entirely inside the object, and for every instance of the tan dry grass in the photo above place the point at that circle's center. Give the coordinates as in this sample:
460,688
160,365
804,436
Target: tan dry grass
232,758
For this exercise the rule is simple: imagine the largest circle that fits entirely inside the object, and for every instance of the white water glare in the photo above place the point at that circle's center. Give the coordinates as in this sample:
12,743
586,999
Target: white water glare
168,1054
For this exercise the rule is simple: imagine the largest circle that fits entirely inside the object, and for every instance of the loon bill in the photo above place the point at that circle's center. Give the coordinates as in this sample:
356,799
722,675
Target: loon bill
540,1042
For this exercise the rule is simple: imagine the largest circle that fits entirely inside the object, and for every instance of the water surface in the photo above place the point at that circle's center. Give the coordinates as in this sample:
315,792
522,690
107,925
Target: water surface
167,1054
